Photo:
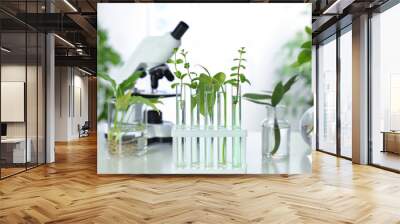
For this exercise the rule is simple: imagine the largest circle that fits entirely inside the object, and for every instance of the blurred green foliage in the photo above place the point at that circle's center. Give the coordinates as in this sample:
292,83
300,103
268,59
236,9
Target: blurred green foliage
106,57
108,88
295,57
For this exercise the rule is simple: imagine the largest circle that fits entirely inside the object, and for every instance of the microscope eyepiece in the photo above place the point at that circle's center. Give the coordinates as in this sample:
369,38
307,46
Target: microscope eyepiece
179,30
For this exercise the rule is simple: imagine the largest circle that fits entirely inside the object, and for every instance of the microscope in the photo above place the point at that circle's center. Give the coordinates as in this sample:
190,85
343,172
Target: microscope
150,57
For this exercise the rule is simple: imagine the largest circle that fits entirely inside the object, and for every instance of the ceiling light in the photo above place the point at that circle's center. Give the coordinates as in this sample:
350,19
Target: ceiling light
84,71
65,41
70,5
5,50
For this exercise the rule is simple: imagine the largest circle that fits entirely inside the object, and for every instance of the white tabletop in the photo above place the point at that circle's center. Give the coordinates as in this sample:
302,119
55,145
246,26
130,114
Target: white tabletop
158,160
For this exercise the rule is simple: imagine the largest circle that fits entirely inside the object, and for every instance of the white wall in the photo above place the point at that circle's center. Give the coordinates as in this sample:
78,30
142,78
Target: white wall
69,82
16,73
33,126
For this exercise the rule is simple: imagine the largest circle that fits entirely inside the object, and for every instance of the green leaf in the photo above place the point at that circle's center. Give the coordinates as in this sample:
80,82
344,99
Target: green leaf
290,82
205,69
170,61
187,65
129,83
308,30
242,66
151,102
304,56
193,101
205,79
307,45
109,79
257,96
295,64
193,85
173,86
176,50
277,135
258,102
234,68
204,85
178,74
183,53
179,61
233,82
219,78
234,74
277,94
122,102
242,78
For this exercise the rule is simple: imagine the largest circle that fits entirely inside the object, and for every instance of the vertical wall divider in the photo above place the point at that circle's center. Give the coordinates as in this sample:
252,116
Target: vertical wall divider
37,93
73,91
0,98
69,92
60,86
338,100
369,96
45,93
26,88
317,97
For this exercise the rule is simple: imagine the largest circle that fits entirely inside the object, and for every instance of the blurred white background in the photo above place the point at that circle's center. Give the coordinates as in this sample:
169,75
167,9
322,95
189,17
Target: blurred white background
215,33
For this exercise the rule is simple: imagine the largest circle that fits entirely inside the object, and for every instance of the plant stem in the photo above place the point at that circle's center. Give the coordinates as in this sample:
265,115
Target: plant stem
176,70
116,119
187,69
277,135
238,76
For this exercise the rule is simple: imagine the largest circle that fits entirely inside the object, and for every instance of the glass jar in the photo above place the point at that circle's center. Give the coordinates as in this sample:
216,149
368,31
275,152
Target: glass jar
275,133
127,132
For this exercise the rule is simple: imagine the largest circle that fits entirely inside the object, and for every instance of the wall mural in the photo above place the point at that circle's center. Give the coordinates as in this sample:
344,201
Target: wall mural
184,89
